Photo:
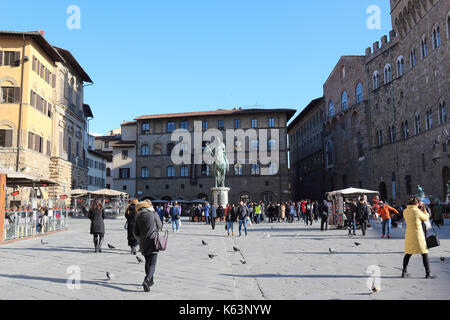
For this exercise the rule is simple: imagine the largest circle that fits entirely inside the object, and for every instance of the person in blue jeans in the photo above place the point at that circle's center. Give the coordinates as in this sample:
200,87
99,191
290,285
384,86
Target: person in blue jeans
206,209
175,216
230,219
243,215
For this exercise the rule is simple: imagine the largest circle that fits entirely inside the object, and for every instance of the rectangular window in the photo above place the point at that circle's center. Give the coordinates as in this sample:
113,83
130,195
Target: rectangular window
220,124
254,124
49,149
124,154
11,58
124,173
205,125
171,127
237,124
184,125
271,122
5,138
10,95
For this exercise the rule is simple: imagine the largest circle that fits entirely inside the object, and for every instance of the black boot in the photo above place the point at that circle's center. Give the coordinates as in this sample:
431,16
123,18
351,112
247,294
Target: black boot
96,244
429,276
146,284
100,242
405,274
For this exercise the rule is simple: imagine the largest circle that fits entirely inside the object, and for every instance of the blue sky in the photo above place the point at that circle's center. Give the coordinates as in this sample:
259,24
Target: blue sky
148,57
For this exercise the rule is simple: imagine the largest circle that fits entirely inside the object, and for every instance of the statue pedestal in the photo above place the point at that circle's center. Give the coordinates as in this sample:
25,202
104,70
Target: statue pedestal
220,196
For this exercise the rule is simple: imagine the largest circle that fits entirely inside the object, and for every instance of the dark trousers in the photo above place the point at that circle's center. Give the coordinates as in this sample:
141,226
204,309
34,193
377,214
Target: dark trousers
324,223
150,265
363,227
213,223
426,262
98,240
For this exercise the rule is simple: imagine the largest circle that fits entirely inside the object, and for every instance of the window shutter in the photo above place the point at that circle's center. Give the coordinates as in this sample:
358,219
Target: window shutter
49,151
8,138
54,81
16,58
16,94
1,58
30,140
34,63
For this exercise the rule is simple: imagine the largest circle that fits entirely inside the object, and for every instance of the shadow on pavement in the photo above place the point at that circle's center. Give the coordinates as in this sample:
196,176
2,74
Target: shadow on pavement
343,252
311,276
69,249
82,282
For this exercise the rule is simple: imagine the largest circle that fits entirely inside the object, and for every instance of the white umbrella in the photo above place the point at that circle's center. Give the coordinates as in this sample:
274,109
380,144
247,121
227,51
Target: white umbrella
351,191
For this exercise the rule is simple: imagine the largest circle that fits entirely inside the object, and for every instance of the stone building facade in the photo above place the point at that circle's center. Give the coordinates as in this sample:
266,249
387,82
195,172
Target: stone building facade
397,136
306,152
159,178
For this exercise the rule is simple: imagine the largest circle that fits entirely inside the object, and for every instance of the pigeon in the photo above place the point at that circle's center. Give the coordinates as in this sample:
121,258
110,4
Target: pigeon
110,246
139,260
43,242
331,250
443,259
110,276
375,289
236,249
212,256
204,243
357,244
243,262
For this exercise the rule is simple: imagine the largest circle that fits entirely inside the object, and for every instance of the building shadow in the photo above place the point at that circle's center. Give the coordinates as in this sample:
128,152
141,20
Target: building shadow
82,282
68,249
305,276
345,252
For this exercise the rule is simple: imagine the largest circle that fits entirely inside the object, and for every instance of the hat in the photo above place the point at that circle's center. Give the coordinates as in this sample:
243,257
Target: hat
143,205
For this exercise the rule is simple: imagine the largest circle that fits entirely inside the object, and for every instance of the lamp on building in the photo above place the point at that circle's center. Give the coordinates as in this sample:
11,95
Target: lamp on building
25,169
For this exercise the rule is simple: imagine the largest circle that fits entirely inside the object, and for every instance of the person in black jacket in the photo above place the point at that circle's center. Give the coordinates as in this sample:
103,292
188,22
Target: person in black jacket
230,219
146,230
323,211
362,214
97,215
130,215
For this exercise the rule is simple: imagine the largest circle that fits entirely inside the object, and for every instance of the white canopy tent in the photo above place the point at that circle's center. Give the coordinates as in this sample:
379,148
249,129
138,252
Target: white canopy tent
351,191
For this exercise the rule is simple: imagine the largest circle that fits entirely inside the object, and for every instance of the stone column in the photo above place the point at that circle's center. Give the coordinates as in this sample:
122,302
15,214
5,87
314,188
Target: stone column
2,206
220,196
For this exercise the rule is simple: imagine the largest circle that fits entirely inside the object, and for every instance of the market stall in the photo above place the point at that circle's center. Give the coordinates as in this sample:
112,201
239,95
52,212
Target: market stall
336,203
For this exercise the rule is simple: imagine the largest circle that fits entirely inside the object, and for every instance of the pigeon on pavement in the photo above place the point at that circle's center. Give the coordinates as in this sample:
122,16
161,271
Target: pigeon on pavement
331,250
357,244
204,243
375,289
236,249
139,260
243,262
110,276
212,256
43,242
443,259
110,246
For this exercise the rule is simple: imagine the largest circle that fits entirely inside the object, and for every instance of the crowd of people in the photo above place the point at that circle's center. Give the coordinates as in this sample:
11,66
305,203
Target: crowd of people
144,222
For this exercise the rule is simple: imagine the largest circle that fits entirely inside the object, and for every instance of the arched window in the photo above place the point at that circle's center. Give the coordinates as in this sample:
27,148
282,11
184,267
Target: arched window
405,130
392,134
436,37
387,74
417,125
329,152
424,47
331,109
170,171
108,172
442,112
400,66
429,119
448,25
344,100
412,57
184,171
145,150
144,172
380,138
376,80
359,93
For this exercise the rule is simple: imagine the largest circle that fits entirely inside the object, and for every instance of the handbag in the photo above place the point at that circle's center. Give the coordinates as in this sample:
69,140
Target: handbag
161,241
428,225
433,240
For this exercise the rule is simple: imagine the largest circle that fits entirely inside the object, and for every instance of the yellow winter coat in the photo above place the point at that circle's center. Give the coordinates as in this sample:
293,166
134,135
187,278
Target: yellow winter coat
415,239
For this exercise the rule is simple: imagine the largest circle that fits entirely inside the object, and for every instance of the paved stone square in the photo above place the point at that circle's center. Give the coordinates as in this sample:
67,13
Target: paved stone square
284,262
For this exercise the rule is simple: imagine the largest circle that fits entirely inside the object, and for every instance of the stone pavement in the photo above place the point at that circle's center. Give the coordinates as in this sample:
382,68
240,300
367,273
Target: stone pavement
292,264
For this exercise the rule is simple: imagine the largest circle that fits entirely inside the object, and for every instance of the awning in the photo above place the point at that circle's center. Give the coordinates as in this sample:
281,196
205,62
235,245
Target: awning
351,191
14,179
109,193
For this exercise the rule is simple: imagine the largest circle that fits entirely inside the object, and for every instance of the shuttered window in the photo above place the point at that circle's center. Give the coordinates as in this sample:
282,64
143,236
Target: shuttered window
1,58
6,138
49,148
10,95
31,140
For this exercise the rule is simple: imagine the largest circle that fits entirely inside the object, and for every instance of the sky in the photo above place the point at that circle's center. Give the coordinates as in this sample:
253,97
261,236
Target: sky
167,56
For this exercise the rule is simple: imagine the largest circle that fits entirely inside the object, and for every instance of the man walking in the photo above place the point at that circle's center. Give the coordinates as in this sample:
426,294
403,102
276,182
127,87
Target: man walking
323,209
213,217
206,209
175,216
385,213
362,214
243,215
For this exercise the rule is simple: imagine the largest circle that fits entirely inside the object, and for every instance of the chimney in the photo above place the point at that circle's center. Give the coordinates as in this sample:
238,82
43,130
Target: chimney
42,32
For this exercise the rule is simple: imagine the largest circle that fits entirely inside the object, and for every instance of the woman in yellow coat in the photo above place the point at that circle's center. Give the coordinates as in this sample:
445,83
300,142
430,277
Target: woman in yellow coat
415,242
